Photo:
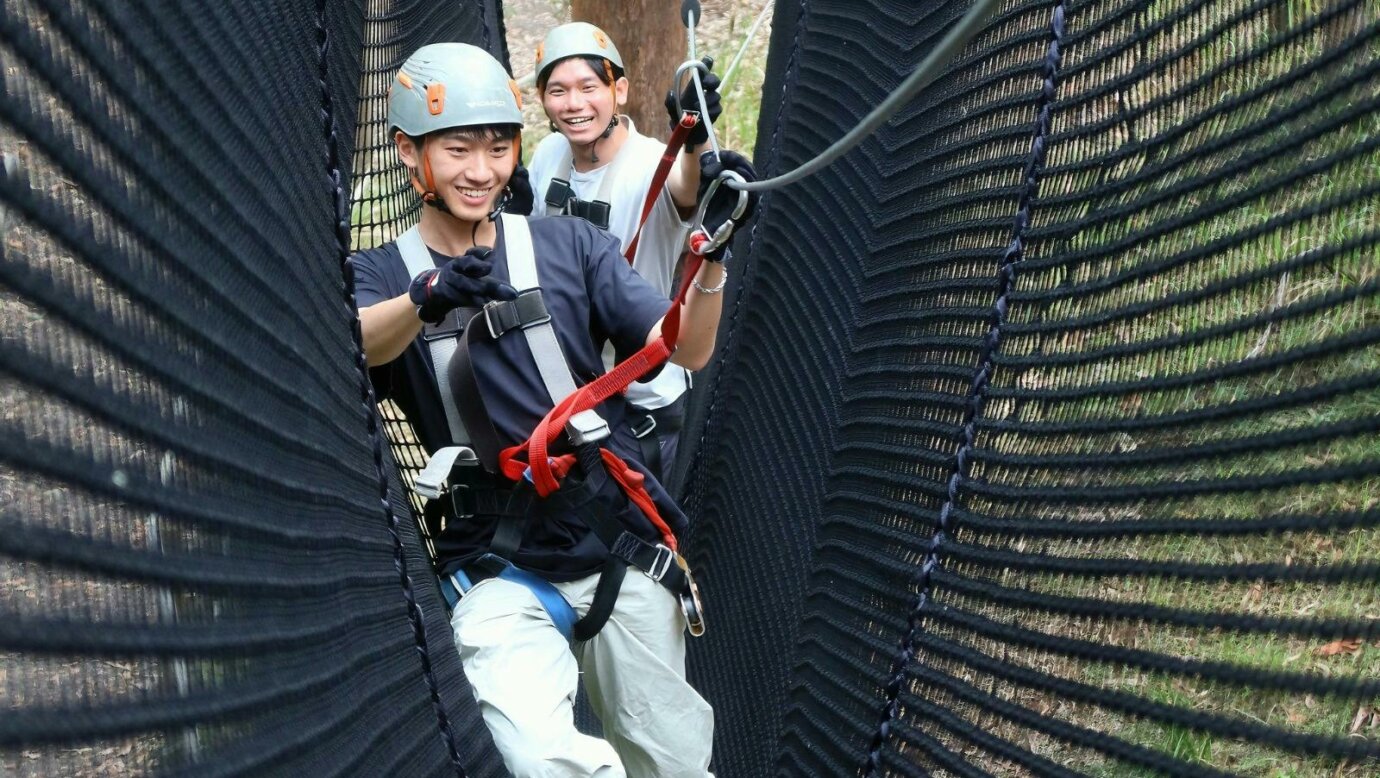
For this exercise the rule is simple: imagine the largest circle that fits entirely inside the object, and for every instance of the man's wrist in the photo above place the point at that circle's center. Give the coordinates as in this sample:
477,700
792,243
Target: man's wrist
723,278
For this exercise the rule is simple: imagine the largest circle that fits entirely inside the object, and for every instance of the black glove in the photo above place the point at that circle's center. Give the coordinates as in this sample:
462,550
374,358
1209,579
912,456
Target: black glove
725,199
690,101
463,282
520,193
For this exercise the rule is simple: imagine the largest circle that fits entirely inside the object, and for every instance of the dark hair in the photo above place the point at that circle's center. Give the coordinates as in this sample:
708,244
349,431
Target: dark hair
483,133
607,72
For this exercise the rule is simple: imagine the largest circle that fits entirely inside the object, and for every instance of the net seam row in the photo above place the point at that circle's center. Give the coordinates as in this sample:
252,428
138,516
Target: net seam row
342,231
986,364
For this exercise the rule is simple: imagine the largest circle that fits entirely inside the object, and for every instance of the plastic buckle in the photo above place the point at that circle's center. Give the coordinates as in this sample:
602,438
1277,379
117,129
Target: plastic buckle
662,564
644,427
586,427
558,194
457,492
448,327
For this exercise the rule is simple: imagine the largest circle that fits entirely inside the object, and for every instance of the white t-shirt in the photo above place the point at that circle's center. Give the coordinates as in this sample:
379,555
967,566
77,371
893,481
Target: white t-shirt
662,241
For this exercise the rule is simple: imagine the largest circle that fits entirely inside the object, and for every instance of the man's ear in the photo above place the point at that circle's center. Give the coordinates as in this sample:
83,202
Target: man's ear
620,90
407,150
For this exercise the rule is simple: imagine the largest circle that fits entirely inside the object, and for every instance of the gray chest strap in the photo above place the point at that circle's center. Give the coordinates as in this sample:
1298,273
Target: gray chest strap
541,336
418,258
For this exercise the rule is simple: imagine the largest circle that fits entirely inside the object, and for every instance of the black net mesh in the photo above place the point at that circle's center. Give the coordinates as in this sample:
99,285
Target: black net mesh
197,571
1045,439
382,200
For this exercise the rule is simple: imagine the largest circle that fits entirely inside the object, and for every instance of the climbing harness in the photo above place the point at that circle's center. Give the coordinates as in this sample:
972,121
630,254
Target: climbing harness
543,470
560,196
465,470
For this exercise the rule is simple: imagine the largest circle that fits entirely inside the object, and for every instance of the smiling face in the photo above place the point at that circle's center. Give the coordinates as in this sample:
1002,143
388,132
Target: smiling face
468,168
580,101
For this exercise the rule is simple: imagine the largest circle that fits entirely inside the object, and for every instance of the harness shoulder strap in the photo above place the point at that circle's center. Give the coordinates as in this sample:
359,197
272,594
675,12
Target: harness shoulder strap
541,336
417,257
527,313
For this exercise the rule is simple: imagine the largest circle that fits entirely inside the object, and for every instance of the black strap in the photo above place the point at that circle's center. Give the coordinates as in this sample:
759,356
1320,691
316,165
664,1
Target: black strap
656,560
649,446
490,323
503,316
605,595
468,399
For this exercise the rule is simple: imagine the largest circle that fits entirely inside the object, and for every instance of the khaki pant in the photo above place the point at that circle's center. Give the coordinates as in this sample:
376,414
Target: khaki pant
524,677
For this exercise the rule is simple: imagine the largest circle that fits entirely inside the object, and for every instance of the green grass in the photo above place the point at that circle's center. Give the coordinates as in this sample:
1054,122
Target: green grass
1256,236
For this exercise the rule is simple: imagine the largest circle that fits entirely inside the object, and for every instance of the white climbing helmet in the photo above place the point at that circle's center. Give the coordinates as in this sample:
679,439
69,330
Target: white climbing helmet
577,39
445,85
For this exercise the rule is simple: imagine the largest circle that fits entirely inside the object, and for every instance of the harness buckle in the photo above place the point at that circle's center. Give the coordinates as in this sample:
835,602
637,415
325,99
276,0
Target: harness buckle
493,313
558,194
586,427
526,310
460,494
644,426
662,564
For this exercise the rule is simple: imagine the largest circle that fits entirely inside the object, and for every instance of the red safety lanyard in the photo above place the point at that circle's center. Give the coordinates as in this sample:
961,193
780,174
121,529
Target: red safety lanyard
546,470
663,171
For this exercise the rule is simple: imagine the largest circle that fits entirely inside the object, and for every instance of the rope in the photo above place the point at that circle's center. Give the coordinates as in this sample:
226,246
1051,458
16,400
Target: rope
928,71
742,50
1015,252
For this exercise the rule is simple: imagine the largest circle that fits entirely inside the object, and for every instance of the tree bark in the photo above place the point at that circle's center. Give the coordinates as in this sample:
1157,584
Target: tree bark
651,38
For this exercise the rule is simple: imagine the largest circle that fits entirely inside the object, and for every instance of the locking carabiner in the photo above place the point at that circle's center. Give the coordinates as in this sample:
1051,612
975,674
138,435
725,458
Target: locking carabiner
701,241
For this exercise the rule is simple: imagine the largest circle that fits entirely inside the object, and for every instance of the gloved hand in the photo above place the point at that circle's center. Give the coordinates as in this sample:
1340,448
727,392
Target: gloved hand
520,193
724,200
690,101
463,282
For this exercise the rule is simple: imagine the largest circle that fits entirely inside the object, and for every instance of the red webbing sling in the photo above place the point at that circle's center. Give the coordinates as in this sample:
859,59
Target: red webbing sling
546,471
688,120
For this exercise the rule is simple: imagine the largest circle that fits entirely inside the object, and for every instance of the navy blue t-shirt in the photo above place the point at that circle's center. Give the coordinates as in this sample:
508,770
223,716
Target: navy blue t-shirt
594,297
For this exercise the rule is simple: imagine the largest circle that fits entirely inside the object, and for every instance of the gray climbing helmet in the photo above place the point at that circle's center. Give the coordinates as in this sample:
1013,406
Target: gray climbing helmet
577,39
445,85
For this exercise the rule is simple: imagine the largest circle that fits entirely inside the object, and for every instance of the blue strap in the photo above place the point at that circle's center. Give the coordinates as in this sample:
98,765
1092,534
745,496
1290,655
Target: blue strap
555,605
562,615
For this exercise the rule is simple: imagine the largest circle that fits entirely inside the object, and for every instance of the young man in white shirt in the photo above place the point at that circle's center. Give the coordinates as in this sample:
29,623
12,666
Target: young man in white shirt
598,166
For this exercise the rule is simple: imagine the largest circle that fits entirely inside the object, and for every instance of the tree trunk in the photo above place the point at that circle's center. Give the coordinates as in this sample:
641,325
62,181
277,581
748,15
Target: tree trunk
651,37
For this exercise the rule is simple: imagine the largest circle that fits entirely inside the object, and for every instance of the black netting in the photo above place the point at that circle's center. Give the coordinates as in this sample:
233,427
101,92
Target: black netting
1045,439
199,573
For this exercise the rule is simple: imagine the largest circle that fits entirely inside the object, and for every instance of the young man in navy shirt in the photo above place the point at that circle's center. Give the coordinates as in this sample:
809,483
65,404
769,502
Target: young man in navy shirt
457,122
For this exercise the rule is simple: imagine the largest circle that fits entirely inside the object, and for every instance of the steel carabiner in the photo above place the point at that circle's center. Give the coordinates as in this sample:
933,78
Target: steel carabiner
701,241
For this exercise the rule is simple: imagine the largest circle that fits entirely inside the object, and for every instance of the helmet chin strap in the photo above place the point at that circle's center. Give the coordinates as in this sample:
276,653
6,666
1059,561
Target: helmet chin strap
608,131
427,188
